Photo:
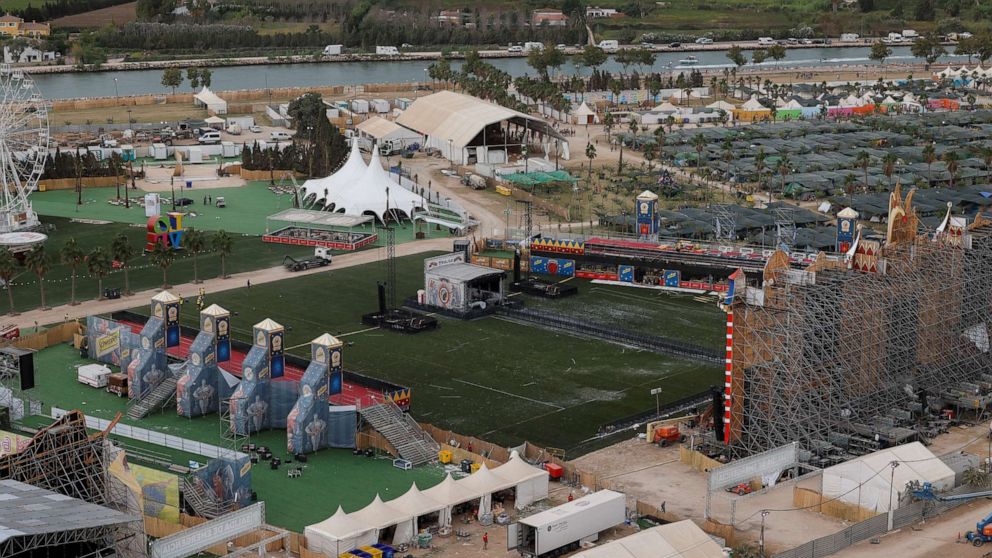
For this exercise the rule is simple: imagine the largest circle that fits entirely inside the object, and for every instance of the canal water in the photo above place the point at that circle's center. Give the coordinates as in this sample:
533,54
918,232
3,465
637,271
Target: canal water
140,82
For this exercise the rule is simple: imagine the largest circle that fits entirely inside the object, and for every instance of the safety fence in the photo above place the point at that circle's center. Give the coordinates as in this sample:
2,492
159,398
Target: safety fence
53,335
874,527
612,334
158,528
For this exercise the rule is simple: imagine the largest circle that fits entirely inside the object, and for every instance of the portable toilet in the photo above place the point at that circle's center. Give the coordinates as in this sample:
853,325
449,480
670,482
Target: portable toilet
160,152
195,155
228,149
128,153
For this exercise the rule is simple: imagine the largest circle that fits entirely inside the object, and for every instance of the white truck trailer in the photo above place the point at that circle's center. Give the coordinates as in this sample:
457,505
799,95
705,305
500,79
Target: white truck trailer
564,528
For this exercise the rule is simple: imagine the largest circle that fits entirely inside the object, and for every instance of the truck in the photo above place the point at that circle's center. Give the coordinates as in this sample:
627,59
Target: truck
609,45
387,51
532,45
321,258
474,181
910,34
564,528
332,50
849,37
93,375
766,41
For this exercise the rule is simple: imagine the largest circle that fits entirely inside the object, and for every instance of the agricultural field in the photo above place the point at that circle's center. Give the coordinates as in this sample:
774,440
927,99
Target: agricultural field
113,15
144,114
502,381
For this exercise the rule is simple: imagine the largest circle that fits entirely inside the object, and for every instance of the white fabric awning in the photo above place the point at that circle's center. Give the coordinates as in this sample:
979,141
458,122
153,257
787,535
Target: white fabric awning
379,515
380,128
322,188
415,502
368,194
211,101
531,482
451,492
484,481
338,534
683,539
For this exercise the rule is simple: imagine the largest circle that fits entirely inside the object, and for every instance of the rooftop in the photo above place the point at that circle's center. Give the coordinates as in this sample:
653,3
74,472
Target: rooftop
27,510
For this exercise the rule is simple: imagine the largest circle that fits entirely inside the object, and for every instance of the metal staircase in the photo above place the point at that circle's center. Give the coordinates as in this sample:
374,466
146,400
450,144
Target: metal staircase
399,428
159,397
202,503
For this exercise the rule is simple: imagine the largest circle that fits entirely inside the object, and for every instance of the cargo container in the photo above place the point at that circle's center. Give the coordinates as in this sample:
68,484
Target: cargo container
565,527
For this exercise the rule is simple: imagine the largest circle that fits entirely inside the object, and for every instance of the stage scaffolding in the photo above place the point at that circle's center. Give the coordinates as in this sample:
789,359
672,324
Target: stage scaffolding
826,352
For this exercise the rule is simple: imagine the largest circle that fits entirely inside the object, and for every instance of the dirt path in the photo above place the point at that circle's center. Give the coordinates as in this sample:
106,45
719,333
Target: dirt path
190,290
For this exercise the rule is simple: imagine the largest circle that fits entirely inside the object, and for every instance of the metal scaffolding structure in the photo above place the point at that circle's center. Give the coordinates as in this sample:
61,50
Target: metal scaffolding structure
836,357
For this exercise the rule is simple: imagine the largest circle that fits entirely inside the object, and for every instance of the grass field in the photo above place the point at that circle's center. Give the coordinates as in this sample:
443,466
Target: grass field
144,114
503,381
114,15
332,477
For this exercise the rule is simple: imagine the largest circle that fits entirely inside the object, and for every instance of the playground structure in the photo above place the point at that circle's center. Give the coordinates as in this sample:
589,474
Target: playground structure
849,356
250,387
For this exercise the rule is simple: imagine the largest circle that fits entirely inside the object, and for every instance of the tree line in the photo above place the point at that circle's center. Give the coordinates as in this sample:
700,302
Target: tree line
66,164
100,261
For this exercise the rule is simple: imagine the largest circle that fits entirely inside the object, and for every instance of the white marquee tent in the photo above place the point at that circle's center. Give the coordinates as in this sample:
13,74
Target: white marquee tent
318,190
683,539
379,516
416,503
582,114
208,99
878,481
450,493
484,482
338,534
368,194
531,482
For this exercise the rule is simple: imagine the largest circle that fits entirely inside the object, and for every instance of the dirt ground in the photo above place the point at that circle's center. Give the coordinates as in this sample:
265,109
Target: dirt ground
159,178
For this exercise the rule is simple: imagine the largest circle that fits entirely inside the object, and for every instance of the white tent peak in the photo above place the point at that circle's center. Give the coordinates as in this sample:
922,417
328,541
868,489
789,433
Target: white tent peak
324,188
368,194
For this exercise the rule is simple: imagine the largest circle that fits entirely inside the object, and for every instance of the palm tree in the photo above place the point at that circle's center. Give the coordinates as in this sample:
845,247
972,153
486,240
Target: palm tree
849,182
951,159
759,165
889,166
72,255
98,264
123,252
783,170
196,242
590,154
163,257
930,157
728,155
223,244
40,263
8,269
650,150
699,142
863,160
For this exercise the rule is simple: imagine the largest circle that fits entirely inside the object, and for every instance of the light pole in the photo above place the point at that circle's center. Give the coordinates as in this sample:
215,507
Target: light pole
451,156
656,392
892,480
426,77
761,537
116,92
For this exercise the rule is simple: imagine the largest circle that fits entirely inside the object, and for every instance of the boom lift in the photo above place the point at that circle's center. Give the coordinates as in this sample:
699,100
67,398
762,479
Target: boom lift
983,532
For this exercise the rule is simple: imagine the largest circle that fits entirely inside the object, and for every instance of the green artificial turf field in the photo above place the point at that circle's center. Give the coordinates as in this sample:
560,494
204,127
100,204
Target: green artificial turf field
331,478
502,381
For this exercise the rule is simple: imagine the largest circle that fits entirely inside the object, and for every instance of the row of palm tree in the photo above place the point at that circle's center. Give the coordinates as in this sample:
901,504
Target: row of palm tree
100,261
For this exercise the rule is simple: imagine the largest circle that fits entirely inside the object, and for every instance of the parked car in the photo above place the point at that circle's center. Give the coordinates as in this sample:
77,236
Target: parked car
255,129
515,49
704,41
280,136
674,45
209,137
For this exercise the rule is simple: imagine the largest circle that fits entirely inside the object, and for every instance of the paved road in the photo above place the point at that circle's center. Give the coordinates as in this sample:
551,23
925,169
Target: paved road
190,290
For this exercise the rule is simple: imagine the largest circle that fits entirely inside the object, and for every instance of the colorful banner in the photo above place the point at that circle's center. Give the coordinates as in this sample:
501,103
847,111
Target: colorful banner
160,492
277,362
552,266
223,339
625,273
108,343
11,443
672,278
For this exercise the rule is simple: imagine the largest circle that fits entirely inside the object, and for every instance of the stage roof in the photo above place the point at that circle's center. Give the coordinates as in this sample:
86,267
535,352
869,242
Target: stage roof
322,218
464,271
27,510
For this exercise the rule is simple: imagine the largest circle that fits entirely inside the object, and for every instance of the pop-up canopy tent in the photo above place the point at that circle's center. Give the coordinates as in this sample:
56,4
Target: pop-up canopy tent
379,516
484,482
531,483
319,190
450,493
417,504
338,534
879,482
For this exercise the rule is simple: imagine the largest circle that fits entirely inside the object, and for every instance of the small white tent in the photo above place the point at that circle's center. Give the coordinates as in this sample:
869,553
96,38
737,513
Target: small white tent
379,516
870,481
318,190
484,483
338,534
209,100
450,493
415,503
584,115
531,483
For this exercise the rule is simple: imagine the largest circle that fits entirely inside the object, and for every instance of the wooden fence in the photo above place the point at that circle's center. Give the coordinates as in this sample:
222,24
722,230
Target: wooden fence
88,182
276,174
698,461
54,335
806,498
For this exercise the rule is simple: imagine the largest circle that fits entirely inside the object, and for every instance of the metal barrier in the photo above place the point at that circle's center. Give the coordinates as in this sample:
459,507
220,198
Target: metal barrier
612,334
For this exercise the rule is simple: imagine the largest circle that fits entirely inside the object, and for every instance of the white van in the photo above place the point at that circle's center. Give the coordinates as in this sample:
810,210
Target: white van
849,37
93,375
766,41
332,50
515,49
280,136
387,51
609,45
532,45
209,137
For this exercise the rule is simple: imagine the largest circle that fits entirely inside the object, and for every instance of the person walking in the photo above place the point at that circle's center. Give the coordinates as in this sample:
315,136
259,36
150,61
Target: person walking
485,541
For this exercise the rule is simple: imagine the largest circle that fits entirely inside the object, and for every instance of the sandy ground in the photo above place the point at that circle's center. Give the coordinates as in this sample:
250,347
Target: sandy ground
190,290
204,175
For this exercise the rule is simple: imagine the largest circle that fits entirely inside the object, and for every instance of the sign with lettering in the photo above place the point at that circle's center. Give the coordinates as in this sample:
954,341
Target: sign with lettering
201,537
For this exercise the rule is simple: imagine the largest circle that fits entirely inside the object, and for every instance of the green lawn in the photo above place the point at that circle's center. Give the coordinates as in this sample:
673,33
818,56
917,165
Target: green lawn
503,381
331,478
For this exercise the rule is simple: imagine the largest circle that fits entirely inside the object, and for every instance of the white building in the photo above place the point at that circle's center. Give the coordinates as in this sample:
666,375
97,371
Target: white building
597,12
28,55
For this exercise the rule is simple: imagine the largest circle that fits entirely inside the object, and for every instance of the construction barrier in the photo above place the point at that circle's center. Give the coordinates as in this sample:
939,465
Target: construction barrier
54,335
806,498
275,174
698,461
87,182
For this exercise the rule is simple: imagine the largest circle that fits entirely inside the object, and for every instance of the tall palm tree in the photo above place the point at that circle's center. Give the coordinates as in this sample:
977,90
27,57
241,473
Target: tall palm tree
195,242
889,166
650,151
784,167
123,252
40,263
863,160
72,255
163,257
98,264
699,142
223,244
930,157
849,182
8,269
759,165
590,154
951,159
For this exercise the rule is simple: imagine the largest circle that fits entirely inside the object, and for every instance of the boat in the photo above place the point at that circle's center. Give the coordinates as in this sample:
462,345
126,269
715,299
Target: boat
689,61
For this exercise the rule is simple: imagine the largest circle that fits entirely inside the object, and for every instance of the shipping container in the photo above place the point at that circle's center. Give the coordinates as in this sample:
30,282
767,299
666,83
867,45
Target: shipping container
565,527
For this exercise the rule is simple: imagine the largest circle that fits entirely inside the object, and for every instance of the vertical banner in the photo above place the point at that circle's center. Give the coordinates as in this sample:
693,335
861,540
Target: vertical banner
223,338
336,383
846,225
672,277
172,324
276,360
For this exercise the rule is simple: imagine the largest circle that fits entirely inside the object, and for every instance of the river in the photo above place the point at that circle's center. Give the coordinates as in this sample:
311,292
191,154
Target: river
140,82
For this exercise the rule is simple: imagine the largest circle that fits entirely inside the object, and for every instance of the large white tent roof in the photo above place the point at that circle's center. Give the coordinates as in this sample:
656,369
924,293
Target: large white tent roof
415,502
447,115
583,110
340,526
683,539
352,169
380,128
368,194
211,100
451,492
517,470
484,481
752,105
379,515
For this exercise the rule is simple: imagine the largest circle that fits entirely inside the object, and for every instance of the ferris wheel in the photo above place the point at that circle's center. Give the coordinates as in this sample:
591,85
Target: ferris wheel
23,147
